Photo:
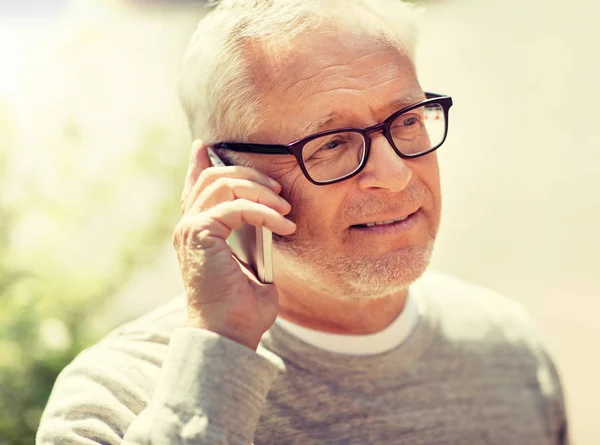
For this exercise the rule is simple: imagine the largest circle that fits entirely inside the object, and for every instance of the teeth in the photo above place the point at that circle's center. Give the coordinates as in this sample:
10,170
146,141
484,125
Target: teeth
384,222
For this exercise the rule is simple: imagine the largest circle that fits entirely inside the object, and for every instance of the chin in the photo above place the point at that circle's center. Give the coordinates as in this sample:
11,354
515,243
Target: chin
393,272
354,277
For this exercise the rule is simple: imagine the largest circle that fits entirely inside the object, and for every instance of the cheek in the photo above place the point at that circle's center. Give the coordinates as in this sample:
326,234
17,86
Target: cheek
434,182
305,198
295,188
314,208
294,191
427,171
288,174
281,168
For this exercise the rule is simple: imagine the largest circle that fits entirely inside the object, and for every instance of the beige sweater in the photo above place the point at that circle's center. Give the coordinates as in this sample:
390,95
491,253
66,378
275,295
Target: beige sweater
472,372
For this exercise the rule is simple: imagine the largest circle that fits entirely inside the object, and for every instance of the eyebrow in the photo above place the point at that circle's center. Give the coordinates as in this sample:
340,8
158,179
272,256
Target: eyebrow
316,126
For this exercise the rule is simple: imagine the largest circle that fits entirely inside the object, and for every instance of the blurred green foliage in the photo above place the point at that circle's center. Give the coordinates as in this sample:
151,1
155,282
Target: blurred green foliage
49,291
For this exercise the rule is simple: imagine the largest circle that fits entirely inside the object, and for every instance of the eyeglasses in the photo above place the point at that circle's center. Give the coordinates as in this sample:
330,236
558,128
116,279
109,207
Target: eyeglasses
336,155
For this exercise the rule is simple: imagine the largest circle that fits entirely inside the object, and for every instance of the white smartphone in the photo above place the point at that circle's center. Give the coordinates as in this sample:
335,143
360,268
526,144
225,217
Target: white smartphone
252,245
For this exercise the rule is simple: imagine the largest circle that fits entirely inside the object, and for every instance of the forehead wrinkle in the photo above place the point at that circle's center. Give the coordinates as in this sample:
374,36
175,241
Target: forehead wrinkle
314,126
281,88
292,60
310,77
382,69
330,81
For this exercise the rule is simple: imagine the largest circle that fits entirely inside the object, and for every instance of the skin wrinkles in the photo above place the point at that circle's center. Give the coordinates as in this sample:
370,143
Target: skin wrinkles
379,72
293,60
383,73
329,276
326,123
332,82
304,80
325,73
326,64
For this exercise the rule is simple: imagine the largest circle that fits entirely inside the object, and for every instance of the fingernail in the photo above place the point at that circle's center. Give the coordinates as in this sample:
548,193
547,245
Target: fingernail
274,183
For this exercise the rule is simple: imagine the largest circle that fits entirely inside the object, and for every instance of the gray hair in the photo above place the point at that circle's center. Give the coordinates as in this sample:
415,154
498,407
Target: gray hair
216,87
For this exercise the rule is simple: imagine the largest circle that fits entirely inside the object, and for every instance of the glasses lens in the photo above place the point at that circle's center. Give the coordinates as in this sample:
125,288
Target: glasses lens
420,129
333,156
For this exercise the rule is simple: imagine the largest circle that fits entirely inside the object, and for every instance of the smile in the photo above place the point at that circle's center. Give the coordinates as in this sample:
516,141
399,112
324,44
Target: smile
397,222
382,223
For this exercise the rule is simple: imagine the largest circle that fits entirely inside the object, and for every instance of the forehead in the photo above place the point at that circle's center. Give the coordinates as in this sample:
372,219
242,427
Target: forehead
355,78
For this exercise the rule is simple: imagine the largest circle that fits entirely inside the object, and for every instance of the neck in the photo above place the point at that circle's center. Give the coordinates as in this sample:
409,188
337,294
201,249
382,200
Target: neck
350,315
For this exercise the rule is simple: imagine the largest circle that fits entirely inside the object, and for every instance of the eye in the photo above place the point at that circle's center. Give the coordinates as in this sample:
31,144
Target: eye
409,121
334,143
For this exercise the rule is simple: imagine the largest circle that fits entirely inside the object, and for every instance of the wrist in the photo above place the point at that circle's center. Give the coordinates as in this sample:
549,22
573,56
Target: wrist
248,339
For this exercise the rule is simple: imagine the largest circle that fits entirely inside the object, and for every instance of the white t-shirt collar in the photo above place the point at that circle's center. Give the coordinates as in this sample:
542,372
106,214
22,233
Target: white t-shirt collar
371,344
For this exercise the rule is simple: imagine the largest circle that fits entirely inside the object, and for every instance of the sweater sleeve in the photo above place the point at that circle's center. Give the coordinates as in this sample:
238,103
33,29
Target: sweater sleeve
201,388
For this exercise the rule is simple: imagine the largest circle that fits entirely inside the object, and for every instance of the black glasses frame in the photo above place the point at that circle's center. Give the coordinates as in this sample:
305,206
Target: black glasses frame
295,148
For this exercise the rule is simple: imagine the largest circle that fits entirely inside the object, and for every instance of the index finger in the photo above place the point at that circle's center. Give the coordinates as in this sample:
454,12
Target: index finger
210,175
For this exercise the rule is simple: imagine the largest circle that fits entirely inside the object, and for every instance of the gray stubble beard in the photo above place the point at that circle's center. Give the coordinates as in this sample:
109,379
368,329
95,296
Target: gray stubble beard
347,278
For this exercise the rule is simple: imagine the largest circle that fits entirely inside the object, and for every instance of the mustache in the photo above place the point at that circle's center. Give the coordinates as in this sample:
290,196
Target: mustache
412,196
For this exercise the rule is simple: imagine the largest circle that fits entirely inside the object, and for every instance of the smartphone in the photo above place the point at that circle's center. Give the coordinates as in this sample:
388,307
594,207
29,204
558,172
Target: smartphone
252,245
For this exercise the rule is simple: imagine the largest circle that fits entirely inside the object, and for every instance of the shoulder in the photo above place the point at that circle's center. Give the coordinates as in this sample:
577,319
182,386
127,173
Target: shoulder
98,395
479,329
477,323
474,310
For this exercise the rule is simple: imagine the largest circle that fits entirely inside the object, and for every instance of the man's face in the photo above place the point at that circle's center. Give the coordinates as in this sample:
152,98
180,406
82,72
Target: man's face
362,81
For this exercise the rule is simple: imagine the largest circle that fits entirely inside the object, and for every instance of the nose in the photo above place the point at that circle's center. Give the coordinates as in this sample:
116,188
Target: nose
384,168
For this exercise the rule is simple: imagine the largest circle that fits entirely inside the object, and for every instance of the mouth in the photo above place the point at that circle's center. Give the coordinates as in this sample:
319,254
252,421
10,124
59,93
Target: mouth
401,222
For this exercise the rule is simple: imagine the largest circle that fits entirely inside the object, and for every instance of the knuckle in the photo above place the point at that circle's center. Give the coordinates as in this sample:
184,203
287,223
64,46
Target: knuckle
246,173
183,228
203,239
222,183
206,177
179,233
243,205
192,233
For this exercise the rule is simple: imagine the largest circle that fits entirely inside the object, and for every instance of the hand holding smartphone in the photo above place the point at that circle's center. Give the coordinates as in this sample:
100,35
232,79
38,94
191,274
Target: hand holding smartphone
252,245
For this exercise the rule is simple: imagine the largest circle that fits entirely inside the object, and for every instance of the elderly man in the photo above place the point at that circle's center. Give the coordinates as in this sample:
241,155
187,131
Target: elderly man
353,343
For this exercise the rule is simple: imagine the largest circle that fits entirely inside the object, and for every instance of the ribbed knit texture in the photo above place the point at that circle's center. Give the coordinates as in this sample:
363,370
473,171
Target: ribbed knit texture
472,372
